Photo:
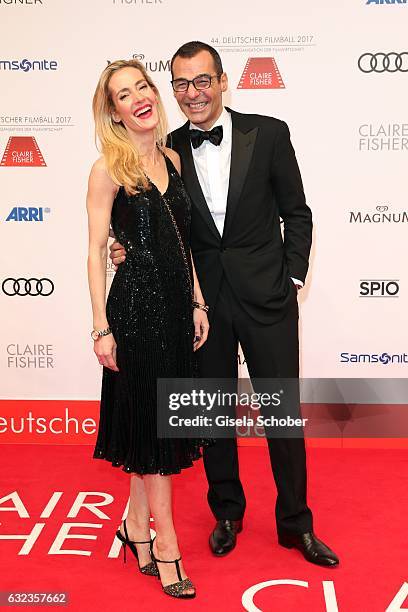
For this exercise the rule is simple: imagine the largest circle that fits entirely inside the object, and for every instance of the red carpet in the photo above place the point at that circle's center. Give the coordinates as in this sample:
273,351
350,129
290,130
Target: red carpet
359,499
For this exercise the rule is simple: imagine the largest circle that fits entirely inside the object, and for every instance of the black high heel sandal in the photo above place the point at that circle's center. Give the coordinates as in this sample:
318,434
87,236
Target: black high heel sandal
151,568
177,588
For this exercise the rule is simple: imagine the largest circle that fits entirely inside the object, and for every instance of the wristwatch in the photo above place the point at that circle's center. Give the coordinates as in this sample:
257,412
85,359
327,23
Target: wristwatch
97,333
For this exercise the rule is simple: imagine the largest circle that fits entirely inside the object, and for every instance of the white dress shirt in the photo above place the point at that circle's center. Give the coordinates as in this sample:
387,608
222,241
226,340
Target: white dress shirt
212,164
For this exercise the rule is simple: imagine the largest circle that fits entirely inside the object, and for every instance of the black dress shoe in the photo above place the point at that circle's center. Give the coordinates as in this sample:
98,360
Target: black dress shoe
313,549
224,537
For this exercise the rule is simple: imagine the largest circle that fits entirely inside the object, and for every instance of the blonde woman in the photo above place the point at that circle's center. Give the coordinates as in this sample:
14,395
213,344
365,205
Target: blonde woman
148,328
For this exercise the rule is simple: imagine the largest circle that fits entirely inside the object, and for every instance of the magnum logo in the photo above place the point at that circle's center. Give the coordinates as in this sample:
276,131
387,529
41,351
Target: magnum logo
22,151
261,73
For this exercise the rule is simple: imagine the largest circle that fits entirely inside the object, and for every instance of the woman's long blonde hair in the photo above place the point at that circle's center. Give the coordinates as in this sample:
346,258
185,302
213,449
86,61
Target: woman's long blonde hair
122,159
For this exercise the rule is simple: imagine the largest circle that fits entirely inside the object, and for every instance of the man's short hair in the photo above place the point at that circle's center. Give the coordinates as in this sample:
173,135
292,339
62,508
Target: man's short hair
191,49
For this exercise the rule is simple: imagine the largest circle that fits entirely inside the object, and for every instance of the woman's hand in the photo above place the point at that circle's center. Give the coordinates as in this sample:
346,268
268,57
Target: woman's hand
201,327
105,351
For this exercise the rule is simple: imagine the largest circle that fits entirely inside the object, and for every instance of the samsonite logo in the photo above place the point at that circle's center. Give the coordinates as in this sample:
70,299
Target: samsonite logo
379,358
25,65
27,213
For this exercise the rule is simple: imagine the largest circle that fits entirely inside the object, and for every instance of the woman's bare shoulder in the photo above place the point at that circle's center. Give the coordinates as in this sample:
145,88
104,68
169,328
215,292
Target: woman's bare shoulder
99,175
174,157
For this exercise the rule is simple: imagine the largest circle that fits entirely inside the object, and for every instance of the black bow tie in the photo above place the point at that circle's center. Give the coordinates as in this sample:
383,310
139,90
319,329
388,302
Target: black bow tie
214,136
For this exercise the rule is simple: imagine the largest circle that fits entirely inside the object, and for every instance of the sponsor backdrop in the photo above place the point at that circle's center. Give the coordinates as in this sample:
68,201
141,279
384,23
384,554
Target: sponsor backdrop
339,84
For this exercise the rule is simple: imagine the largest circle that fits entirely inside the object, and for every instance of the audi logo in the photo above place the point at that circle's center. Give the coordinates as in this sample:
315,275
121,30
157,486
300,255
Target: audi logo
28,286
383,62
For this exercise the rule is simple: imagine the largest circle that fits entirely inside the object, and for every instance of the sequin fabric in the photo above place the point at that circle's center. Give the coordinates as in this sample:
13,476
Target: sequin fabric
177,589
150,313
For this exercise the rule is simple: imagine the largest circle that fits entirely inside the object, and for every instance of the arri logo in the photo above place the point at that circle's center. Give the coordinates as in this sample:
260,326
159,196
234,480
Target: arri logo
381,288
22,151
383,358
27,213
26,65
261,73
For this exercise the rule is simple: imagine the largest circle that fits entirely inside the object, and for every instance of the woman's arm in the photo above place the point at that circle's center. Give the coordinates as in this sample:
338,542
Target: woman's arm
201,325
101,193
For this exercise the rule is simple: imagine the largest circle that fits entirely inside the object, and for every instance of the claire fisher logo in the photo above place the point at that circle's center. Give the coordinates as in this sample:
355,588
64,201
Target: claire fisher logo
19,2
22,151
26,65
261,73
38,356
383,137
328,594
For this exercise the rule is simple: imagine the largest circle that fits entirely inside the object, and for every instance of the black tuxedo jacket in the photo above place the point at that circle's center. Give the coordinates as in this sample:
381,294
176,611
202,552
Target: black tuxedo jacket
265,185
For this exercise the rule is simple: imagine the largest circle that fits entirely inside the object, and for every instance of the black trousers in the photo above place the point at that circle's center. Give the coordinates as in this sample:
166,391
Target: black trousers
270,351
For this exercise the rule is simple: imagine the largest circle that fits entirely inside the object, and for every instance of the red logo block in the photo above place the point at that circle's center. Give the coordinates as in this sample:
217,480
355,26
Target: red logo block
261,73
22,151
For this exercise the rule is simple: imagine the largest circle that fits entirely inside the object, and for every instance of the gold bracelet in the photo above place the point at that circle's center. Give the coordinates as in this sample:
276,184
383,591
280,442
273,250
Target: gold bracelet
201,306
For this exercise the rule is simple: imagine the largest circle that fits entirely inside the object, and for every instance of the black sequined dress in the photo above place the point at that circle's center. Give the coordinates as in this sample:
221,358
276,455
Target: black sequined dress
150,313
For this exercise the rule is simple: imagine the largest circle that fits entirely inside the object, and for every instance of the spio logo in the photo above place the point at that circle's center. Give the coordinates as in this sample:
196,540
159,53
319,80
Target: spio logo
30,213
386,1
387,288
383,62
28,286
26,65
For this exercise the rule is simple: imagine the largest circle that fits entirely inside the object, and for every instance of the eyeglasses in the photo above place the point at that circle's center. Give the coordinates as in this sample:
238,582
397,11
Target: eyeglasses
202,81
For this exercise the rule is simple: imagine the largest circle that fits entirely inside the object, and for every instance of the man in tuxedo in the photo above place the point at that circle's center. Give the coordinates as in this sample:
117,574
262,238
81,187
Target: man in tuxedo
242,176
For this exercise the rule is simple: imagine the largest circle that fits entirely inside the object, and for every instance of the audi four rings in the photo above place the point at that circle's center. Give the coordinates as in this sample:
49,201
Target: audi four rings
27,286
383,62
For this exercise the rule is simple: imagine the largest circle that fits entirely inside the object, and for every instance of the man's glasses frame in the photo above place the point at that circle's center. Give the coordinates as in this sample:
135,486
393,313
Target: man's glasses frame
182,85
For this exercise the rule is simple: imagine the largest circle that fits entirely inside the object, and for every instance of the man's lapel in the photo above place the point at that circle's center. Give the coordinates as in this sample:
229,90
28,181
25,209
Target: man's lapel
243,142
191,181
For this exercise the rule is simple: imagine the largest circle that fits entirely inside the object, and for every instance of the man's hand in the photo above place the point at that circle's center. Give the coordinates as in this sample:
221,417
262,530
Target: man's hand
117,254
298,284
